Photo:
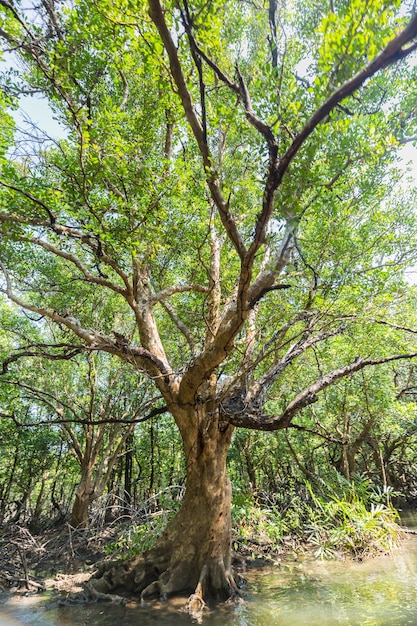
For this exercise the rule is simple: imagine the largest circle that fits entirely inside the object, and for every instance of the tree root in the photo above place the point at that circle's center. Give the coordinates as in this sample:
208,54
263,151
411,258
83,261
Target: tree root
98,596
162,572
195,606
195,603
235,592
152,588
91,595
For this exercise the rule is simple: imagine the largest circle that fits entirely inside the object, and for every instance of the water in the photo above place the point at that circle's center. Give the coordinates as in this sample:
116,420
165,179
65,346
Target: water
377,592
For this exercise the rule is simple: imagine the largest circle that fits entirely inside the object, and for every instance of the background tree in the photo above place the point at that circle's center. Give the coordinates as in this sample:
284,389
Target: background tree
95,407
226,185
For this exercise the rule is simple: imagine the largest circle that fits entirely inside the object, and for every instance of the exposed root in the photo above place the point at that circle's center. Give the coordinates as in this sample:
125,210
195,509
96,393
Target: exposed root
157,586
195,606
214,573
195,603
98,596
235,595
91,595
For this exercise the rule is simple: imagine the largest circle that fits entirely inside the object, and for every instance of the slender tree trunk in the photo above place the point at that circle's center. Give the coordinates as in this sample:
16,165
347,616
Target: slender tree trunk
128,469
152,477
34,522
7,488
194,552
244,447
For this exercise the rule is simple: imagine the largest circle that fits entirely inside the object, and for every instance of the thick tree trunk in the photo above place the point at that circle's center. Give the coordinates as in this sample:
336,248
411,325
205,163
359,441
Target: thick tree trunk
79,512
88,490
347,463
194,553
80,507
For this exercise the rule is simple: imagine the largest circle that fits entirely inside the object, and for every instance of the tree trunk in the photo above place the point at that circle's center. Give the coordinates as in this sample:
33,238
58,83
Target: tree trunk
128,469
34,524
79,512
194,552
84,496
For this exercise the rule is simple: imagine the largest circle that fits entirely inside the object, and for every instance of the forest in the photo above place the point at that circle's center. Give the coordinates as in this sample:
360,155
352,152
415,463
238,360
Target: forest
208,329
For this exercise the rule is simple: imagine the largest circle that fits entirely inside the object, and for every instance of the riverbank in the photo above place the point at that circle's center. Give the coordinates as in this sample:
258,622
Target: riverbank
298,589
61,560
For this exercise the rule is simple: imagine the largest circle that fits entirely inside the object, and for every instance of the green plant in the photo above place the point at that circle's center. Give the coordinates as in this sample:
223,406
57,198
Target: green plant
260,524
349,524
138,537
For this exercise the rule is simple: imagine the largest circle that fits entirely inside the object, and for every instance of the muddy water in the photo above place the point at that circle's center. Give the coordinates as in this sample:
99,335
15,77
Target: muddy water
377,592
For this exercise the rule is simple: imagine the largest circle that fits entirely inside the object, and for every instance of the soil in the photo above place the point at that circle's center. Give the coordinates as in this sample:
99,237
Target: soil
61,560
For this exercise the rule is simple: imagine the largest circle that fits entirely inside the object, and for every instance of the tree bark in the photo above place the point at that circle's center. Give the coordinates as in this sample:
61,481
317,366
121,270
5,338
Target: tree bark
84,496
194,552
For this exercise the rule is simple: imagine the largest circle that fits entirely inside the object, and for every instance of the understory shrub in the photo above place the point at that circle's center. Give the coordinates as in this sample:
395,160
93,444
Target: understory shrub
349,518
255,524
351,525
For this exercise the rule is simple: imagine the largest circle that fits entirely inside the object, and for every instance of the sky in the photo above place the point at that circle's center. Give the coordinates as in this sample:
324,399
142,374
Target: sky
409,156
38,111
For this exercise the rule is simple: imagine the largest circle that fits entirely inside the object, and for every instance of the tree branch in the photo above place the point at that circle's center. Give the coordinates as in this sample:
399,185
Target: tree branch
140,357
306,397
87,422
66,356
169,291
260,388
157,16
89,277
260,126
90,239
317,433
395,326
183,328
392,53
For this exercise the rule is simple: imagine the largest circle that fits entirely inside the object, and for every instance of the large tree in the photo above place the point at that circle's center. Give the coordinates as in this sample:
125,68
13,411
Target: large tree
222,207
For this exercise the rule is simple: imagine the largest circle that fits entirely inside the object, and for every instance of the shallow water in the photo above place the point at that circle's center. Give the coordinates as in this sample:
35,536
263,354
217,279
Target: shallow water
377,592
381,591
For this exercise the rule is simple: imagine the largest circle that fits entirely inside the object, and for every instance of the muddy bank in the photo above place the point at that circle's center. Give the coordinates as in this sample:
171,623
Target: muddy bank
62,559
59,561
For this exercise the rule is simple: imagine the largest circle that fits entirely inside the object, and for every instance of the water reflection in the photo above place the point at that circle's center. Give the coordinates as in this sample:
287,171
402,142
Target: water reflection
377,592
